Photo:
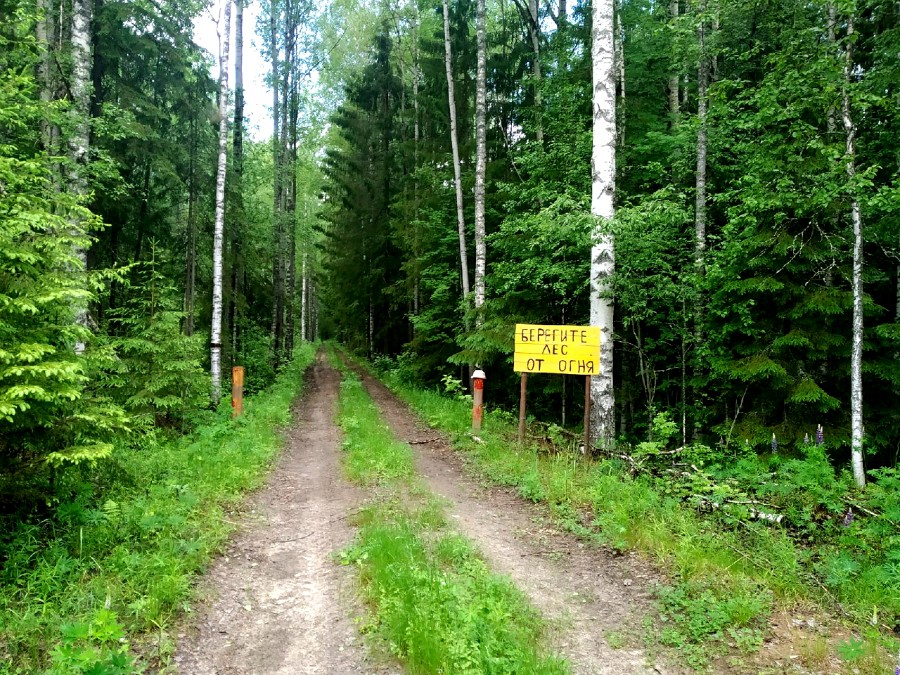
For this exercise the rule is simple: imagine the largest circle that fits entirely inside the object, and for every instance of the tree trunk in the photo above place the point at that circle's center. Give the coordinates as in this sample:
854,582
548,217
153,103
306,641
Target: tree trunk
416,136
534,31
620,72
856,388
674,94
219,228
45,30
603,174
304,307
702,102
79,141
454,144
480,159
190,282
237,163
290,282
277,184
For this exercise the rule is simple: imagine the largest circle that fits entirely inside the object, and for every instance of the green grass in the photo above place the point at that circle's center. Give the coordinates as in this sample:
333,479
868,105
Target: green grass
434,602
724,580
112,568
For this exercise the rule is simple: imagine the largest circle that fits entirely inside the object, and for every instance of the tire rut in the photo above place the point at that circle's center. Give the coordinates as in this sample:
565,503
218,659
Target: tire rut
280,603
585,593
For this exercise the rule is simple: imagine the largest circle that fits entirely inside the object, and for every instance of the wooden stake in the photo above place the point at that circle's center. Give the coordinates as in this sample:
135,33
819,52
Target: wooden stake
523,387
237,391
477,400
587,416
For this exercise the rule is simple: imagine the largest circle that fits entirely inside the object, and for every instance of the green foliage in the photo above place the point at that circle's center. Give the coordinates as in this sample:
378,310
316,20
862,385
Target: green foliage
729,568
46,414
96,647
439,606
117,555
158,376
373,455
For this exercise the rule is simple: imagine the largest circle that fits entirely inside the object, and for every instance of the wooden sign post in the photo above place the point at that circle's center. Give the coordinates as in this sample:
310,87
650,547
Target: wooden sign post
523,387
237,391
562,350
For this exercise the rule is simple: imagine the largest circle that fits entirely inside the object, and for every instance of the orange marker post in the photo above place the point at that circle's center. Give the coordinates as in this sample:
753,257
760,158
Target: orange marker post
237,391
478,379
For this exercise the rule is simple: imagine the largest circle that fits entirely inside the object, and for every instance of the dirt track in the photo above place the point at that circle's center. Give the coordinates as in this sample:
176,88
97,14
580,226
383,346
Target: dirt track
279,603
586,593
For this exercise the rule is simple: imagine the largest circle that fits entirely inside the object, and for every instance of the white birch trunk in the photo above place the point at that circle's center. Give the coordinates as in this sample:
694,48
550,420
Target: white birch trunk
620,72
454,144
480,159
276,176
416,134
215,357
832,40
303,300
856,389
674,93
80,86
79,141
237,163
603,174
44,32
702,103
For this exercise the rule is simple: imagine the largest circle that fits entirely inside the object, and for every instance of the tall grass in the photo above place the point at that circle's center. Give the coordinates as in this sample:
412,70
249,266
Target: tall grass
725,578
434,601
113,565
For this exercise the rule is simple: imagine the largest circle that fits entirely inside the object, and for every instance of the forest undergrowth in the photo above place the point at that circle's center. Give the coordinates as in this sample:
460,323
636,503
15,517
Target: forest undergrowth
434,603
738,538
102,573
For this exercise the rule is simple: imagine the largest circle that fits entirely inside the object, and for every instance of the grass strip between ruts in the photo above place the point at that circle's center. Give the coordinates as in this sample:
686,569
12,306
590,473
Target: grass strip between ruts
118,566
725,582
434,601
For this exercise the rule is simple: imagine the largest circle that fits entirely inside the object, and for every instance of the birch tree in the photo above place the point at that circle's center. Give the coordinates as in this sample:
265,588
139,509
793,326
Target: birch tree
79,139
237,163
454,144
856,388
480,158
215,357
277,187
702,103
603,174
674,93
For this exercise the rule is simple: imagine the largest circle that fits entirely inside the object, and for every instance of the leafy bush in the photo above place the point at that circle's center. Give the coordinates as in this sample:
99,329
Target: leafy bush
117,555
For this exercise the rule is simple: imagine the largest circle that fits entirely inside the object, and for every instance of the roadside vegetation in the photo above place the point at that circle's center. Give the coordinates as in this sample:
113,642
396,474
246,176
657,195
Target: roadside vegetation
103,570
737,538
433,601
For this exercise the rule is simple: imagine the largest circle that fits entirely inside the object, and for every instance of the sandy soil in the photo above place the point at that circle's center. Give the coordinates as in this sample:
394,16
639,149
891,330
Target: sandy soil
279,603
591,597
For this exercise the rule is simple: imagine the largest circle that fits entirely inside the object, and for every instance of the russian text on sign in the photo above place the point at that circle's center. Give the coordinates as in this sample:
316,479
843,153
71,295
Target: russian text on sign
567,350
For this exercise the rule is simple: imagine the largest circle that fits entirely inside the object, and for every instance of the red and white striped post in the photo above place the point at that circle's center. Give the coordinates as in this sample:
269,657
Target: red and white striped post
478,379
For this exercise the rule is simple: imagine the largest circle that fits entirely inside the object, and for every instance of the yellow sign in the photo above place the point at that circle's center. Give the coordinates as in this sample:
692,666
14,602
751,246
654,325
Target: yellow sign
565,350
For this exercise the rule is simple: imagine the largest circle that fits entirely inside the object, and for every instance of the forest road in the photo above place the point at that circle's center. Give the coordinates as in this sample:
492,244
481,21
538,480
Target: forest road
279,602
590,597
